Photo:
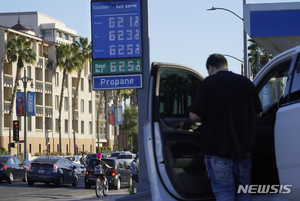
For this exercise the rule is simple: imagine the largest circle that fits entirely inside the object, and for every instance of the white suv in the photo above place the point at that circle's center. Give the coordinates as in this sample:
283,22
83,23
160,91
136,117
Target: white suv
173,142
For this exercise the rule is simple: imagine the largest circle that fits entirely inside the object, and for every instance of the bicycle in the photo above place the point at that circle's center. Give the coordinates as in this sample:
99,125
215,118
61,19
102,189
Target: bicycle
100,185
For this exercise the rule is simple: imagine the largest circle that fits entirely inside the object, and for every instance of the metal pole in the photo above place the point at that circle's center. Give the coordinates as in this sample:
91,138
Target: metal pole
25,113
246,72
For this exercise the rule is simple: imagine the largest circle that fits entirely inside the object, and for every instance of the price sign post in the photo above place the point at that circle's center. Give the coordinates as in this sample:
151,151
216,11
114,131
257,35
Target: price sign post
117,39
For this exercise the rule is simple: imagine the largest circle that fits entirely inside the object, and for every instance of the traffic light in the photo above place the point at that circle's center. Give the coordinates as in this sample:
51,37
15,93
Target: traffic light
12,144
16,130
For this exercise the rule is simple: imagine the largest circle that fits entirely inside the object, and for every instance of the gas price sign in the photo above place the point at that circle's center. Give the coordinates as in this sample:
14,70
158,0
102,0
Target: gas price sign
116,29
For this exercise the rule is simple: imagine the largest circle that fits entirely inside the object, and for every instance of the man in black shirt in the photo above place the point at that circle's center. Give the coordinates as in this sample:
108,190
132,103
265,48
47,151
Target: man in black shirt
227,104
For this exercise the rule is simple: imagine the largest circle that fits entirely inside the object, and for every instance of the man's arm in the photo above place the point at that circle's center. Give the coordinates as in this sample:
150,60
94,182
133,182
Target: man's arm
195,117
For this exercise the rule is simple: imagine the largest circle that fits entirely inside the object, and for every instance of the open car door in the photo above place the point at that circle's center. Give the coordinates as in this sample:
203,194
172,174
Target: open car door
172,141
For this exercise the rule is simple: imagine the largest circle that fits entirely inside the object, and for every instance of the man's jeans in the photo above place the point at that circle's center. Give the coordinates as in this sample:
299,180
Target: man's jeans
226,174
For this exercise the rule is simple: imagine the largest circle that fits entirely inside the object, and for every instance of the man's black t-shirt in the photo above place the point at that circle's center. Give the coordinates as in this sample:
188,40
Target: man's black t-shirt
228,104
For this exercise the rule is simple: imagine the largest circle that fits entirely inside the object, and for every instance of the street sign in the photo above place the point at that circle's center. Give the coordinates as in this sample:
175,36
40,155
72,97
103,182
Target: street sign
119,66
116,29
117,82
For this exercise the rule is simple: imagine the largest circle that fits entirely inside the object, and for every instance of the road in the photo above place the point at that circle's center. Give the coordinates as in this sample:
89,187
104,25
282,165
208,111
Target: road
40,192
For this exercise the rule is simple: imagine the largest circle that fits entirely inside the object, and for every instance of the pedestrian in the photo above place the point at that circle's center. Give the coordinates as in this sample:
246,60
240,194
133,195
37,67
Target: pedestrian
227,105
135,169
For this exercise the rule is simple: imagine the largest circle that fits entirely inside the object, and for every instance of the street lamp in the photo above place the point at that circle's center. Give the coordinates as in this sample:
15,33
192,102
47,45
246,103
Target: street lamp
25,80
244,36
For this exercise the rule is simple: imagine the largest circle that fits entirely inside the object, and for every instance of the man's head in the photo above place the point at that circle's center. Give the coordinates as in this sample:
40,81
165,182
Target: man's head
135,158
216,63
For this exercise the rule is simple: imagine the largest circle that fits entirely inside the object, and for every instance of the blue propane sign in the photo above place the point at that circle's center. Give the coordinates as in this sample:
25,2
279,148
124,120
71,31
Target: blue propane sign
117,82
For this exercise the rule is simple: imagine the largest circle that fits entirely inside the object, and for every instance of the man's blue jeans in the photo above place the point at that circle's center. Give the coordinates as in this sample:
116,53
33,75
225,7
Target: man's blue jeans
226,174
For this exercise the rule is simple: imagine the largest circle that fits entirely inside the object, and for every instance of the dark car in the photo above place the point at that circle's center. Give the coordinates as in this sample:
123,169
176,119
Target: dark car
119,175
12,168
52,169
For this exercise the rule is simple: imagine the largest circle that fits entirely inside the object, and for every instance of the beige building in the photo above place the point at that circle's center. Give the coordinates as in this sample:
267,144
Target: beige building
46,33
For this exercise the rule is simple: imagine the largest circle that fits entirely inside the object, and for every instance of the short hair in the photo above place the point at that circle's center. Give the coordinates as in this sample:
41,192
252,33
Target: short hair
216,60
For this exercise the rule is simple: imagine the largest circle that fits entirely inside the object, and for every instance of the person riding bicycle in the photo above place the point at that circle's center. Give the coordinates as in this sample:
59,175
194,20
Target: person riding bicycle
102,165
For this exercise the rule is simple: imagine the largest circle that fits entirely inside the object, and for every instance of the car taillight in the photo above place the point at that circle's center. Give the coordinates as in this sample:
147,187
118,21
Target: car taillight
54,168
29,167
3,168
113,172
87,172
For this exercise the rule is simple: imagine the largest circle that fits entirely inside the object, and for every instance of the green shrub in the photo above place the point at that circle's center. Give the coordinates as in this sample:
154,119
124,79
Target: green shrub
37,154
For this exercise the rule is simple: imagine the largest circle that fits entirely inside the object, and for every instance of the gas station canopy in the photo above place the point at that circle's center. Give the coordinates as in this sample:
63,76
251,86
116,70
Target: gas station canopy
275,26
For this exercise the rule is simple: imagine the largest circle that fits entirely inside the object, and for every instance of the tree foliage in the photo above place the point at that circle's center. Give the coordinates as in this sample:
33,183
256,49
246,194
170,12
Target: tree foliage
130,127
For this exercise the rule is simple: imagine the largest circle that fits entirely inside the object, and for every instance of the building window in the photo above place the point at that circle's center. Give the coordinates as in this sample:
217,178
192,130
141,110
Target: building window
56,102
67,148
66,103
20,122
91,127
56,125
90,86
82,105
56,79
29,71
82,84
29,148
20,148
82,127
48,33
57,147
90,106
66,126
67,81
40,148
91,148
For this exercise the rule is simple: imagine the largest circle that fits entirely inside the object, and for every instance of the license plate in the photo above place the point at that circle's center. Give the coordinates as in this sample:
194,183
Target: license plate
41,171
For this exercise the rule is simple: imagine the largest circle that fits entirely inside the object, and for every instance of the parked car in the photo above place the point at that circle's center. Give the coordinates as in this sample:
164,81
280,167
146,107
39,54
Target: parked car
119,175
116,154
93,155
74,159
127,158
52,169
80,168
12,168
173,142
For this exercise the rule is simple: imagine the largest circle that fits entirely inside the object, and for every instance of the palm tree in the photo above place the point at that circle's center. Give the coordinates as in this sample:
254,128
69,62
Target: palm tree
84,55
67,60
258,57
18,50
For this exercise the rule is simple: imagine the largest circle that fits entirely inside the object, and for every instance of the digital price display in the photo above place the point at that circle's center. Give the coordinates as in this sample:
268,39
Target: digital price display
117,66
116,29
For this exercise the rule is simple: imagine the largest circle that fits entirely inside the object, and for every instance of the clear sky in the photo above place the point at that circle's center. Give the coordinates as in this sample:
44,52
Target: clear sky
181,32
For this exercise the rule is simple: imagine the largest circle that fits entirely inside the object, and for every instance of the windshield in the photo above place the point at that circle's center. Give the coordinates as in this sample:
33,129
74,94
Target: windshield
2,160
124,157
115,154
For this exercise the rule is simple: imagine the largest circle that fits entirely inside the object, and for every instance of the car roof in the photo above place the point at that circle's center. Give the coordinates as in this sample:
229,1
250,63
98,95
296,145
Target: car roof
48,159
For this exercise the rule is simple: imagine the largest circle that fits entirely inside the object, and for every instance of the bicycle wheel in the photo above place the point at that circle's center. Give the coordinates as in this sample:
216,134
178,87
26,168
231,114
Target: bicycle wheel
105,188
98,188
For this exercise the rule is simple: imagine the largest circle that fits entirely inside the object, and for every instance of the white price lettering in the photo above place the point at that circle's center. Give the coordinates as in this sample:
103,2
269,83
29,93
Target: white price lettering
121,66
121,49
136,21
112,36
137,35
112,50
113,67
137,49
130,66
129,35
120,21
120,35
111,22
129,49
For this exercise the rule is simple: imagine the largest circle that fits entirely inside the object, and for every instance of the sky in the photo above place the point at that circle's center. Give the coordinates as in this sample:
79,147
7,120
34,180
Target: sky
181,32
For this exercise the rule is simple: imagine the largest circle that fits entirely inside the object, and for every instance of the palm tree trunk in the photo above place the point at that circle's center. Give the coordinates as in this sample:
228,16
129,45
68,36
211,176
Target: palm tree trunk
98,117
73,108
60,107
12,105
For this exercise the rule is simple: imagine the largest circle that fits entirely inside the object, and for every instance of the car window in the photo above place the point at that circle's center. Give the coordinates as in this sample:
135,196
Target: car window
295,90
274,88
176,91
17,161
11,161
68,163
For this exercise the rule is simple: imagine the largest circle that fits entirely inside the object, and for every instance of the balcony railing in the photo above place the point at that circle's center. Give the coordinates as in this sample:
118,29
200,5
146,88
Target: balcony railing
48,112
8,80
39,110
38,86
48,88
40,62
